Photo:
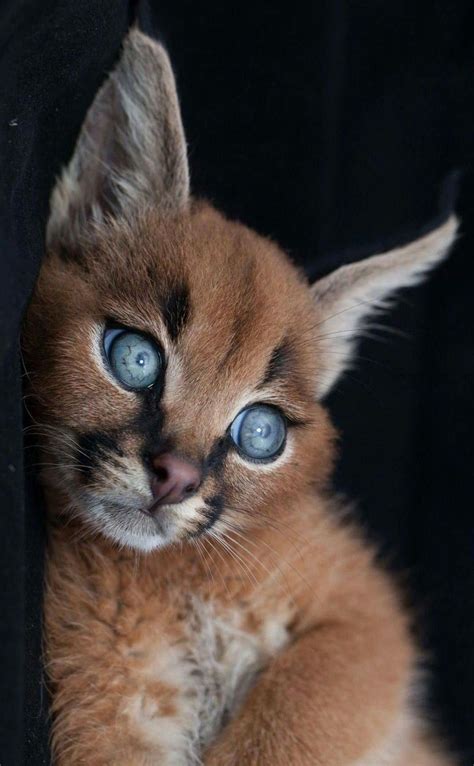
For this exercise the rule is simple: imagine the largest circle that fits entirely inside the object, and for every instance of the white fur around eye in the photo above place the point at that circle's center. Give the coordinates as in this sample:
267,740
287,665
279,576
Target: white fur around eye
246,400
95,345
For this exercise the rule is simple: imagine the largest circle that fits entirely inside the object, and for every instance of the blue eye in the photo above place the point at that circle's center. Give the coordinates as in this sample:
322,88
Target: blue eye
259,432
134,359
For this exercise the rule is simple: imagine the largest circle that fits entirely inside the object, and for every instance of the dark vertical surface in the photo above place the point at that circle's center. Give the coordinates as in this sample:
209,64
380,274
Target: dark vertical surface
443,538
53,57
332,127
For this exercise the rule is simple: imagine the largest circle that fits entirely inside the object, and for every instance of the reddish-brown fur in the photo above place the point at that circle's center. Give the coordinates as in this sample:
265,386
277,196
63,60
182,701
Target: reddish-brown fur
271,639
334,693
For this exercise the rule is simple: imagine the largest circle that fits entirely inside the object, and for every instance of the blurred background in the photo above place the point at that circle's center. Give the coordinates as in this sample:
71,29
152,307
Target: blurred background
339,129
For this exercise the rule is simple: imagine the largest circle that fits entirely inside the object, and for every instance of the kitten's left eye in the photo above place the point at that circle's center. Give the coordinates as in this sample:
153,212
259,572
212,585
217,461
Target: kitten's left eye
259,432
134,359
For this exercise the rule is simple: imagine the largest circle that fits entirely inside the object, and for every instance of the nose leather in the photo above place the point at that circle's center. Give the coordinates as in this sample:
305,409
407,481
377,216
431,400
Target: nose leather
174,479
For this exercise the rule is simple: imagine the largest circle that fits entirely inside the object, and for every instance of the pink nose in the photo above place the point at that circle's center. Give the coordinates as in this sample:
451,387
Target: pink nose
175,479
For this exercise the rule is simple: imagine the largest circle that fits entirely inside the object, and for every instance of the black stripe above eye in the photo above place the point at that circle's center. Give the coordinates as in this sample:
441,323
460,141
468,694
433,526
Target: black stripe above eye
279,364
176,310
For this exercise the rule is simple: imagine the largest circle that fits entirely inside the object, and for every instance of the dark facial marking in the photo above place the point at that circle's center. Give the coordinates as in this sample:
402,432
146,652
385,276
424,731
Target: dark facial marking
244,319
217,455
280,363
92,447
149,424
212,512
176,310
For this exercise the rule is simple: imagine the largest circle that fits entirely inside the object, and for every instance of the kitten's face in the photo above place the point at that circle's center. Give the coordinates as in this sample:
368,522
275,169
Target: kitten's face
231,323
175,359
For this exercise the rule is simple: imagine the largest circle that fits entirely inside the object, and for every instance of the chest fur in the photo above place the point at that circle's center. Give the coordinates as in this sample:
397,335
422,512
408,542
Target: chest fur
193,681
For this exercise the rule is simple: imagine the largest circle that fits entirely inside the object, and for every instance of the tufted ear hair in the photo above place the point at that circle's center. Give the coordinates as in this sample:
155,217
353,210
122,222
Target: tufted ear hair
131,151
345,299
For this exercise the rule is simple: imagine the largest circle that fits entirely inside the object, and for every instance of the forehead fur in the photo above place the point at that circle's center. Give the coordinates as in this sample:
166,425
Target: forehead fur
226,304
199,264
225,267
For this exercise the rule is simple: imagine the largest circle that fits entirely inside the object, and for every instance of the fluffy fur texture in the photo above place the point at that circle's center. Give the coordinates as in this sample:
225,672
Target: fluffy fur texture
247,624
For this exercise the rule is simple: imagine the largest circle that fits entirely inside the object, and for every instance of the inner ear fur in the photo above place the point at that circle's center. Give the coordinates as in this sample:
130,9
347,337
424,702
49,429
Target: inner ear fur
131,151
345,299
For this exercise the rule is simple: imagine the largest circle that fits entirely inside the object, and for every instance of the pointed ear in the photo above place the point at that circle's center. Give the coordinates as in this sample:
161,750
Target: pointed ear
131,152
345,299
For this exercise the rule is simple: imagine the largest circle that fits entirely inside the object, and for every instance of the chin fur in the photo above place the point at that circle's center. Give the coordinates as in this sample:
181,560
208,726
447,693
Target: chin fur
131,528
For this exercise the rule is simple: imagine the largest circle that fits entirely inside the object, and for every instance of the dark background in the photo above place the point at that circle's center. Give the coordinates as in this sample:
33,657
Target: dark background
338,128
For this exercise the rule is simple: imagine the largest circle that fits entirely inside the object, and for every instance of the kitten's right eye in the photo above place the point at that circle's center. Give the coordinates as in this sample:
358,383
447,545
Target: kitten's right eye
259,431
134,359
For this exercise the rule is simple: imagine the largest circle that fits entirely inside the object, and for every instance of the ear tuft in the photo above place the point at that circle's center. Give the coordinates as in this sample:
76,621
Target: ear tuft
131,151
345,299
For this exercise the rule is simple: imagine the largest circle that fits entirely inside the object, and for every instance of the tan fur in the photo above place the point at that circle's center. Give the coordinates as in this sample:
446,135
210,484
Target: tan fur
131,150
349,296
272,638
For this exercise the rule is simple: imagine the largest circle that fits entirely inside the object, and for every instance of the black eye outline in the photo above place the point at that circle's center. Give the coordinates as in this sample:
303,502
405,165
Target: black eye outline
112,331
281,448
